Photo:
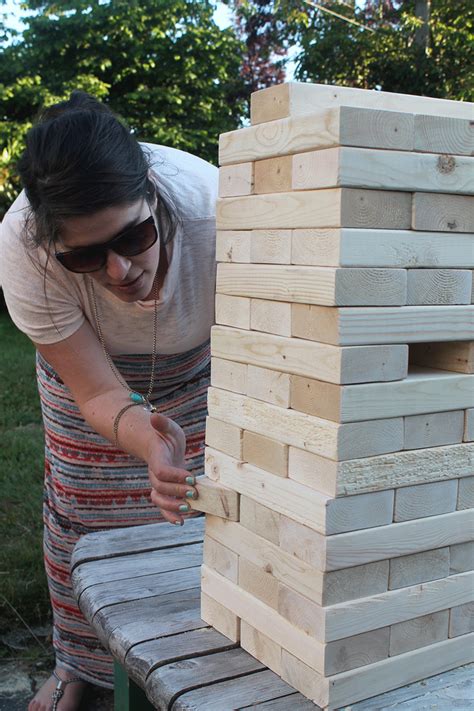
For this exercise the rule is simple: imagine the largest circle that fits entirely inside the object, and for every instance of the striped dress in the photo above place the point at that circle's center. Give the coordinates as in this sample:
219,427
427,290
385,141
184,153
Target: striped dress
90,485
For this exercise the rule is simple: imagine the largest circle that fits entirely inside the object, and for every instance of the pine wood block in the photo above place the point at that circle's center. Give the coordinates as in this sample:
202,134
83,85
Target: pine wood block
236,179
371,680
380,248
229,375
461,619
220,617
261,647
233,311
297,99
351,583
323,128
260,520
224,437
305,505
215,498
420,632
254,580
233,245
469,425
461,557
421,567
324,286
270,317
457,356
374,169
398,539
443,134
269,385
266,453
299,356
356,326
425,500
443,213
274,175
221,559
387,471
441,428
438,286
466,493
332,207
270,246
323,437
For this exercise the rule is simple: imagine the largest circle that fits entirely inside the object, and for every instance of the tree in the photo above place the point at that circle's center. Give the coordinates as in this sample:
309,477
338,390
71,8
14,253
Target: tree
163,65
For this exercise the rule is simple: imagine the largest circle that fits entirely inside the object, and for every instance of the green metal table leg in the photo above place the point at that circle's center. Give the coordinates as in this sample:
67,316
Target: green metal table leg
127,695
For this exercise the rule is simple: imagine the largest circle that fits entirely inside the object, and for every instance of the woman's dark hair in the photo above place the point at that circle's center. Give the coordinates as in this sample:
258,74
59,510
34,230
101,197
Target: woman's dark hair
79,159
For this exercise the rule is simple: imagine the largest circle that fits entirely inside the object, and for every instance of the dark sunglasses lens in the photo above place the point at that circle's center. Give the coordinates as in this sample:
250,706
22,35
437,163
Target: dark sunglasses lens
82,262
137,240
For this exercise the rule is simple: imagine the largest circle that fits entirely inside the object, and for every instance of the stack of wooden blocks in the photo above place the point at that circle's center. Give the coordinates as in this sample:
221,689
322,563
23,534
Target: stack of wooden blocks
339,534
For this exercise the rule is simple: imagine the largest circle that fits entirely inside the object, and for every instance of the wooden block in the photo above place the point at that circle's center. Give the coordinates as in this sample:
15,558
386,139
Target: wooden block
224,437
220,617
457,356
461,557
357,651
425,500
221,559
305,505
257,582
269,385
326,286
342,125
233,311
266,453
308,358
419,568
397,539
350,326
443,134
399,469
469,425
439,286
270,317
441,428
443,213
376,169
274,175
260,520
304,614
466,493
233,246
333,207
270,246
420,632
216,498
229,375
297,99
352,583
236,179
261,647
380,248
341,442
461,619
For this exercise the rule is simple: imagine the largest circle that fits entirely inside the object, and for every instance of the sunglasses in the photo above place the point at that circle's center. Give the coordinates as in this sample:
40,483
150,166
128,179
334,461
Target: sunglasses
135,240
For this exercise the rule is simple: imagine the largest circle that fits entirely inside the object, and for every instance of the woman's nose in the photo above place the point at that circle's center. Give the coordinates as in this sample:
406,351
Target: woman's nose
117,266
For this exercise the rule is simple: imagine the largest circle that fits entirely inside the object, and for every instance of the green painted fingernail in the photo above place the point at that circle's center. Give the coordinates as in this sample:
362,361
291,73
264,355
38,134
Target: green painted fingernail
190,495
184,507
190,480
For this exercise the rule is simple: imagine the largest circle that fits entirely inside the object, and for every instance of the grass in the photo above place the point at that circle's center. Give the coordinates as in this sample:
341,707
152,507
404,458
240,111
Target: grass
23,588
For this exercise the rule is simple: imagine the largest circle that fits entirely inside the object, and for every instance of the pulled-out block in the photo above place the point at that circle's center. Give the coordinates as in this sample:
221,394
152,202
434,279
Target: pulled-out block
215,498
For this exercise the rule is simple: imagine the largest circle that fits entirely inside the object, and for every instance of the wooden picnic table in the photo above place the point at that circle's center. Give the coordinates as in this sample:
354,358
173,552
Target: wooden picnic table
139,589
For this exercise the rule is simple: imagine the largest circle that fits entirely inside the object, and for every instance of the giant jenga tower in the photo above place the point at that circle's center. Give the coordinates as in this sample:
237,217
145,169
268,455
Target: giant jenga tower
339,548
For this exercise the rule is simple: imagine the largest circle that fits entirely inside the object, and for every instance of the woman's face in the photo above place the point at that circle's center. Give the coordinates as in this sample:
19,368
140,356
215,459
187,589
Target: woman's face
127,278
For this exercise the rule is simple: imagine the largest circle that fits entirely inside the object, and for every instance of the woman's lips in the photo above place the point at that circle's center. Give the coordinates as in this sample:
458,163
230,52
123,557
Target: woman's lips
128,285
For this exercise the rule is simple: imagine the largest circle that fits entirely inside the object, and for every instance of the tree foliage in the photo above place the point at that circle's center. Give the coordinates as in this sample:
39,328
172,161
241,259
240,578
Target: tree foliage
163,65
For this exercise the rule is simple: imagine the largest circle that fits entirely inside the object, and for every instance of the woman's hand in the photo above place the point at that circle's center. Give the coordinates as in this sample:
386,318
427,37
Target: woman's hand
172,485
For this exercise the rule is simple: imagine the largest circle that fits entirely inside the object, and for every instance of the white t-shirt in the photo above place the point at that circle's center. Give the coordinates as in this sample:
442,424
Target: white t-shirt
49,303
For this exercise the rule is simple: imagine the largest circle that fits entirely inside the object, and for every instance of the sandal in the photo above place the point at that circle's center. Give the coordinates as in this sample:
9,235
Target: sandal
57,694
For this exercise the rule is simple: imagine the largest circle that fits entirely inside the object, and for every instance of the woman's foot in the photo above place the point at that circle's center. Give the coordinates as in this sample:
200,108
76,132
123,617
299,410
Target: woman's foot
69,700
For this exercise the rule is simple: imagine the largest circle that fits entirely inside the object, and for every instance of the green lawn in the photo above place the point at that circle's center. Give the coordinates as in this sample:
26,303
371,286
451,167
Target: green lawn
23,590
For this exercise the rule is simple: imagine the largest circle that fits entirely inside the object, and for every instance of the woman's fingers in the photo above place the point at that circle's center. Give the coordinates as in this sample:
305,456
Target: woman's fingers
172,509
179,491
172,475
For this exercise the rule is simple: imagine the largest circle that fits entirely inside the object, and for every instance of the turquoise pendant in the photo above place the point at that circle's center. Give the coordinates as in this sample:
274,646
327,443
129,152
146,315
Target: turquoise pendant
136,397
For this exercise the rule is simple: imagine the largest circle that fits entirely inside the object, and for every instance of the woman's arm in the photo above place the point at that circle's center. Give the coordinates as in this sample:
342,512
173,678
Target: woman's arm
80,362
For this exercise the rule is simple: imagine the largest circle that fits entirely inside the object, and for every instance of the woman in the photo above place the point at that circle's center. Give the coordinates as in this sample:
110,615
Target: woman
107,264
